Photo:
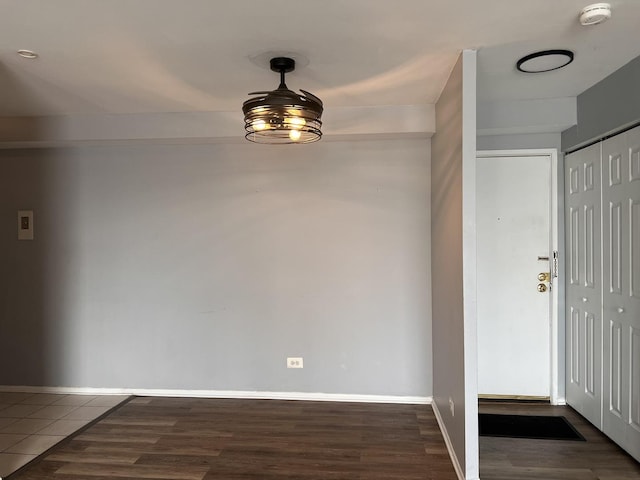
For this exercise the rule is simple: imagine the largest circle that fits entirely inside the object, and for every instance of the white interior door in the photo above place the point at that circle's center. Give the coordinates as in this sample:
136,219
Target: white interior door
513,231
584,283
621,293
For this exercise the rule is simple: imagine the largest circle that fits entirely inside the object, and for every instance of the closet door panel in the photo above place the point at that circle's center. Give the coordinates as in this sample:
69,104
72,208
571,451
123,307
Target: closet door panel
583,285
633,302
621,301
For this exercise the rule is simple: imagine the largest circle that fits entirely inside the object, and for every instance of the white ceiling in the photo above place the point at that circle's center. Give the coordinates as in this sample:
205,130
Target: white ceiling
124,56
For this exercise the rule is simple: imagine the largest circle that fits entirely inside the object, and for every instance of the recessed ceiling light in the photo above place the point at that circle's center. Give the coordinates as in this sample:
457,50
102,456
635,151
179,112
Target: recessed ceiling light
594,14
27,54
545,61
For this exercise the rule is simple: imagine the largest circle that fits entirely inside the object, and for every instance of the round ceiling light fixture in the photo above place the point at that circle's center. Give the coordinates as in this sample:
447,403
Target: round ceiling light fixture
27,54
545,61
282,115
595,13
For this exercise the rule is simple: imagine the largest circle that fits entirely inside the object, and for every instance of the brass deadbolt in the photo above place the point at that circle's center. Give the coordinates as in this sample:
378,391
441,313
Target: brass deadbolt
542,287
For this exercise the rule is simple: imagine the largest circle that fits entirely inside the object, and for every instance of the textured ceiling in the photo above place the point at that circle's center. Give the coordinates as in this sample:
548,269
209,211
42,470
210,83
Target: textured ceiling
123,56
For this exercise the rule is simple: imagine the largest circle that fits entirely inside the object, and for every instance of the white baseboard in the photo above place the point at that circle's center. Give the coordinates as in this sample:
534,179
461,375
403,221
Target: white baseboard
239,394
447,441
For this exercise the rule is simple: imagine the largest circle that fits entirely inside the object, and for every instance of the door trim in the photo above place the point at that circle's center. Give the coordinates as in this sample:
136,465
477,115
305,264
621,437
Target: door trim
556,348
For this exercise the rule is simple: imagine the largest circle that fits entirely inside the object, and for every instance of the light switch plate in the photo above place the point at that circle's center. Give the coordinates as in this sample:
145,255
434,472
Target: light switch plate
25,224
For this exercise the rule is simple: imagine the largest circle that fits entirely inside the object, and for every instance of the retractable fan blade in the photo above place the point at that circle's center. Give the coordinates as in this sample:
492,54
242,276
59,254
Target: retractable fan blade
312,96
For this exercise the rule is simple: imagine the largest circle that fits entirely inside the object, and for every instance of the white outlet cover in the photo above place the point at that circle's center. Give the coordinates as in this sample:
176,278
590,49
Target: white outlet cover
295,362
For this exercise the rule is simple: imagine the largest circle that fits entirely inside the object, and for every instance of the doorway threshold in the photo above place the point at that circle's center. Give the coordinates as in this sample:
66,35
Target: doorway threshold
489,398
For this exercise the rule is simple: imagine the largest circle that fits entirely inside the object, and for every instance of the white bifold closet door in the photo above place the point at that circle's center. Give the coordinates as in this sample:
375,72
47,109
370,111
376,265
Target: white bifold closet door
602,195
621,292
584,283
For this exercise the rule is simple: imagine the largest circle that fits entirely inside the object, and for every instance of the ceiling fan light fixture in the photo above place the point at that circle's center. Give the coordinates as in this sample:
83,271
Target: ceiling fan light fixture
544,61
282,115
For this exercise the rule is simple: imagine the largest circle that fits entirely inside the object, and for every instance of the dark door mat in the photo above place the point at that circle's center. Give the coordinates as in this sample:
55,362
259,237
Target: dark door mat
527,426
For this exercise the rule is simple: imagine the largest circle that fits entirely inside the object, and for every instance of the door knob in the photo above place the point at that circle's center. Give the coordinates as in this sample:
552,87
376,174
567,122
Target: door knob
542,287
620,310
544,276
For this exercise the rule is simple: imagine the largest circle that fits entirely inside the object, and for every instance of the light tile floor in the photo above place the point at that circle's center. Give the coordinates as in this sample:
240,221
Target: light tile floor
31,423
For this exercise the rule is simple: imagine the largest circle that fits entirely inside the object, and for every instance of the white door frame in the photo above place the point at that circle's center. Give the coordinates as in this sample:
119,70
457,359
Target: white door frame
554,314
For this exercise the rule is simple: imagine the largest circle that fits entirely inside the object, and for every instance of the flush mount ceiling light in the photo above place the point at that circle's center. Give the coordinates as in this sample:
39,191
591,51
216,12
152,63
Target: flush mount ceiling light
594,14
545,61
282,115
27,54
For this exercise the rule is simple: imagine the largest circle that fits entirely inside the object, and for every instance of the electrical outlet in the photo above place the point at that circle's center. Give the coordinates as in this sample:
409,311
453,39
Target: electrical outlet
452,407
295,362
25,224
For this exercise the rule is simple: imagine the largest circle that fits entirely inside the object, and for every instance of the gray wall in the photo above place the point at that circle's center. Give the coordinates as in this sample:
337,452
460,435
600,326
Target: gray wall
531,117
452,193
205,266
519,141
611,104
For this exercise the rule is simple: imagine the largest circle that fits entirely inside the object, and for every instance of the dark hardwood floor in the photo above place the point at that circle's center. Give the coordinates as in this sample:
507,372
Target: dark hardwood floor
192,439
523,459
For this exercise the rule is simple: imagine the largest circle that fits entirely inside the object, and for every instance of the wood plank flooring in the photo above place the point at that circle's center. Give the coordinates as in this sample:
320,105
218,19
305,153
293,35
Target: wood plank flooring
212,439
525,459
